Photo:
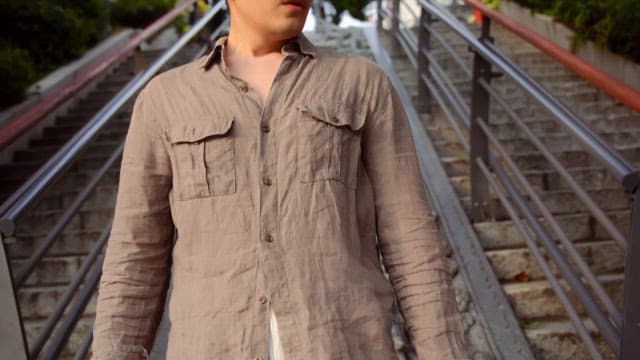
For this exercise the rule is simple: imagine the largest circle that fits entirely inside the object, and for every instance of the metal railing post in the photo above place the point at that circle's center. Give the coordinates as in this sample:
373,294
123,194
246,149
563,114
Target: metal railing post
395,26
12,342
479,145
424,44
630,347
379,16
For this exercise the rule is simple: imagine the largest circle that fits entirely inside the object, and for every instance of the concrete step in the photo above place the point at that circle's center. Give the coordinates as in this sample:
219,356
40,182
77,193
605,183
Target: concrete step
535,300
603,257
566,202
61,131
84,325
87,218
572,159
76,119
558,340
18,171
58,199
53,270
59,141
71,242
42,153
591,177
496,235
605,124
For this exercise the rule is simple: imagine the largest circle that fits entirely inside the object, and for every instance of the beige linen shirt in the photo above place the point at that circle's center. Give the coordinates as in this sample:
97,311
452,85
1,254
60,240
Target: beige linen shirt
281,204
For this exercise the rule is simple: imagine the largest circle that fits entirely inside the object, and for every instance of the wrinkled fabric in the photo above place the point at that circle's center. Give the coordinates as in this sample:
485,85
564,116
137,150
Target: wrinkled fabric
283,206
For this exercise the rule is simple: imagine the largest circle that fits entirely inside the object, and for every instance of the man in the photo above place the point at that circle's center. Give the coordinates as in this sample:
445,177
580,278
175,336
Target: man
279,166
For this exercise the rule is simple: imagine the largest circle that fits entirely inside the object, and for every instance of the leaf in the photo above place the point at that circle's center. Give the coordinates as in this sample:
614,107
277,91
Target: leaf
529,325
521,277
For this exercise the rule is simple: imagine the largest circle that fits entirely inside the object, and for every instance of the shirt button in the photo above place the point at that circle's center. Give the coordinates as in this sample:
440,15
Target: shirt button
265,128
266,181
262,299
244,88
268,238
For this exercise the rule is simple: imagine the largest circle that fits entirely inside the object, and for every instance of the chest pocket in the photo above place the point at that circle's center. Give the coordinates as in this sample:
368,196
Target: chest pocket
328,143
203,157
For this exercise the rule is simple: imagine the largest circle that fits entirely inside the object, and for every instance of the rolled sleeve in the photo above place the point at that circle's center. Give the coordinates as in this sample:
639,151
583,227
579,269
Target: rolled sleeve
133,286
408,235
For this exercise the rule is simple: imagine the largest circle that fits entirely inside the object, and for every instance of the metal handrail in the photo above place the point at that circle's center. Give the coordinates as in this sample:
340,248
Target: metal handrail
31,118
35,185
69,294
438,76
597,77
616,164
575,317
52,235
67,305
616,328
539,230
454,97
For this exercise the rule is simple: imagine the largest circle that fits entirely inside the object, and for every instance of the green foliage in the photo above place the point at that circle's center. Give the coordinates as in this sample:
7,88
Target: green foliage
353,6
16,73
494,4
611,24
38,36
139,13
52,32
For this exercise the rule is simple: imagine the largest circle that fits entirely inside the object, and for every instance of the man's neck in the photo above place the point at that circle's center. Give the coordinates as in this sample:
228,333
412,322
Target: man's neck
245,43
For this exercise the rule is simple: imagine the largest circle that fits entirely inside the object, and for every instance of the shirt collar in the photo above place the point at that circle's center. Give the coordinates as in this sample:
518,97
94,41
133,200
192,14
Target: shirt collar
299,44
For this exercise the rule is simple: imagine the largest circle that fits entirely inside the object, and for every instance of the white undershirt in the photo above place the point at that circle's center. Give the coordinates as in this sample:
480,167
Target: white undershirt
275,346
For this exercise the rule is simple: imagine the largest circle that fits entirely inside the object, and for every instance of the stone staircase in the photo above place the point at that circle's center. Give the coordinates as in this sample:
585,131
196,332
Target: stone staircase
542,317
39,295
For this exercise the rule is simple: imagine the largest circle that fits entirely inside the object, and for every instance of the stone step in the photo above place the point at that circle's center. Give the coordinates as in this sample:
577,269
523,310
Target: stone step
62,196
18,171
71,242
606,124
558,340
43,153
590,177
566,202
34,327
87,218
53,270
61,131
572,159
535,300
496,235
603,257
59,141
122,117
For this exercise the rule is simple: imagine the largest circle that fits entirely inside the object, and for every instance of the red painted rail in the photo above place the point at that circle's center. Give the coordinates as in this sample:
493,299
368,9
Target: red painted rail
595,76
33,116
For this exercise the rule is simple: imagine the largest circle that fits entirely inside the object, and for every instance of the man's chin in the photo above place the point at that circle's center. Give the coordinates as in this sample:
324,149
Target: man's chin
287,33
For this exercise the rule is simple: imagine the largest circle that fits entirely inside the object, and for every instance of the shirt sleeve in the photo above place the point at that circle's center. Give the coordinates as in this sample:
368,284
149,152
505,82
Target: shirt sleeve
407,232
133,286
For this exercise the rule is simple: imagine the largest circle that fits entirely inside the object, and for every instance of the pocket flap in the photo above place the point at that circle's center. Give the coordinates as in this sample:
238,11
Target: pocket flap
335,114
195,131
